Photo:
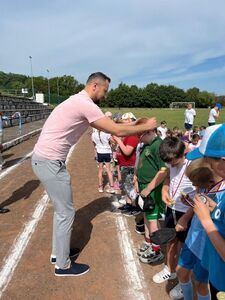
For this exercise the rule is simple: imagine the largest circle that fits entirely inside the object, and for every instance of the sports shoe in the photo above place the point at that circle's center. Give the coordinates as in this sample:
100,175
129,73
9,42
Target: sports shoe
151,256
74,270
73,253
176,293
110,190
140,229
164,275
122,200
132,212
144,247
4,210
100,189
140,223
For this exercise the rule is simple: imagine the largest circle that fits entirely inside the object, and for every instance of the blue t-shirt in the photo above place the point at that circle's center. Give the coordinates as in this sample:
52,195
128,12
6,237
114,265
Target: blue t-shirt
196,237
211,259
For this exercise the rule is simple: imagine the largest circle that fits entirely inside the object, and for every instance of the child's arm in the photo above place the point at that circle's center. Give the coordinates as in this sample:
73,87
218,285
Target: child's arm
183,221
126,149
159,178
203,213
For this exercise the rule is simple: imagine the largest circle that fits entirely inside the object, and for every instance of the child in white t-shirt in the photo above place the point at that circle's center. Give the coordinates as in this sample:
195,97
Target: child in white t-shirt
103,157
172,151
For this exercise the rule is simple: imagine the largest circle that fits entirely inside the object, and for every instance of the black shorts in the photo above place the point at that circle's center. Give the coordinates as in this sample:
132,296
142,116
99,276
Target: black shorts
170,223
103,157
187,126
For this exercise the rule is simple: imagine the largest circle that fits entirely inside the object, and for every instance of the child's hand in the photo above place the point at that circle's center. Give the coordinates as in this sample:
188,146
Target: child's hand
166,198
145,192
116,139
202,210
182,224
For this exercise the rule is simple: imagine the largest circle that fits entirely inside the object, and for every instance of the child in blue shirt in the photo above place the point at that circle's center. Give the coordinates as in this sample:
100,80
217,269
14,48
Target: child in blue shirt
212,148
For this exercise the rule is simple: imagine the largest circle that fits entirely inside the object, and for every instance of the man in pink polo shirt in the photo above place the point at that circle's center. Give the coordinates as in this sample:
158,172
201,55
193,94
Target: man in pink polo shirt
63,128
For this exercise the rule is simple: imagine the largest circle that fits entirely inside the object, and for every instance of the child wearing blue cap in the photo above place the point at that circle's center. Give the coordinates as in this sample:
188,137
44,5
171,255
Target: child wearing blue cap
212,148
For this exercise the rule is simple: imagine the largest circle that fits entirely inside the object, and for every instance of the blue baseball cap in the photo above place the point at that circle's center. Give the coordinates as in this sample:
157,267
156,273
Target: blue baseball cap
212,144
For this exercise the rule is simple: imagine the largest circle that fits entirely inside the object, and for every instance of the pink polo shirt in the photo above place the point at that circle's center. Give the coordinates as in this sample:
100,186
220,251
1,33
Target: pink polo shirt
65,126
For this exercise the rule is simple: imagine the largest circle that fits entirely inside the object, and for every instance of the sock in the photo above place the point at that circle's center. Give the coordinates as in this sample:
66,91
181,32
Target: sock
147,240
207,297
155,247
187,289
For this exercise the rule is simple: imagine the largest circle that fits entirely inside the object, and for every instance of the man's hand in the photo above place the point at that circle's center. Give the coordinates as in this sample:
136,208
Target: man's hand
151,124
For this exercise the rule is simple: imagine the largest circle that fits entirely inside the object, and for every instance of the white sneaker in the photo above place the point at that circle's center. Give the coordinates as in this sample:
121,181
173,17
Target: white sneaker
117,204
176,293
122,200
110,190
100,189
164,275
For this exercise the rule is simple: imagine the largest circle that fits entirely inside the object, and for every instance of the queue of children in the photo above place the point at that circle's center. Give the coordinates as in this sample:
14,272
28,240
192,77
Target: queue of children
160,170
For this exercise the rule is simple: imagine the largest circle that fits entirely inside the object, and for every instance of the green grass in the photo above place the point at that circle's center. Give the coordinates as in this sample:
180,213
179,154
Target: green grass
173,117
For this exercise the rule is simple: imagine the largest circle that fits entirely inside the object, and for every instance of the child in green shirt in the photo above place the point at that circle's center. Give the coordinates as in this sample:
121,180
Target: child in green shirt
150,174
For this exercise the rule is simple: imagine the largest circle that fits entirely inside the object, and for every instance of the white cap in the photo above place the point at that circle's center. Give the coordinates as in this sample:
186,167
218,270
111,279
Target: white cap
128,115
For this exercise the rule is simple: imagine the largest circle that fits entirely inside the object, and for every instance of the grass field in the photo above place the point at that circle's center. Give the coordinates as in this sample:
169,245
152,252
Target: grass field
173,117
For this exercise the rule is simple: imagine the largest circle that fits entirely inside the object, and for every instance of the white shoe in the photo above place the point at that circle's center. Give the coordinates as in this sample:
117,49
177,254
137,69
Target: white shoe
176,293
116,204
122,200
100,189
110,190
164,275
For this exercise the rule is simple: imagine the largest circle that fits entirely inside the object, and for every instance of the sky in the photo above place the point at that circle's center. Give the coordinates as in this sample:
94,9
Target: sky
170,42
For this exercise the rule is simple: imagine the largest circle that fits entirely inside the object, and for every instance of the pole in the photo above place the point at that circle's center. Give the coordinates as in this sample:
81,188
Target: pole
57,82
49,93
32,79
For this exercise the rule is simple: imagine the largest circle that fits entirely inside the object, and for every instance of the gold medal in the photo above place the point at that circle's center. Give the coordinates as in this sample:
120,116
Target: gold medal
220,296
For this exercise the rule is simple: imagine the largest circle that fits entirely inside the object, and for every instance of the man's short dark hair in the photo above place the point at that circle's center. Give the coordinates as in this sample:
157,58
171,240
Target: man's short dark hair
98,76
171,148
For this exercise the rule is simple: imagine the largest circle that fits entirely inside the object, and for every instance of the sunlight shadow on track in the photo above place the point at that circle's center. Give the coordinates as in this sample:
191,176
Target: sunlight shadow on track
23,192
83,226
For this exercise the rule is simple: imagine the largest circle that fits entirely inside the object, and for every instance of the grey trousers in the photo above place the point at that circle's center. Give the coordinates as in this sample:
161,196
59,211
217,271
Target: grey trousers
56,181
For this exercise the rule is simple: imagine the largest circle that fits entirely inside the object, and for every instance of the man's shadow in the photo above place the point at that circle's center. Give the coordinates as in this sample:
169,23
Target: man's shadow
23,192
82,226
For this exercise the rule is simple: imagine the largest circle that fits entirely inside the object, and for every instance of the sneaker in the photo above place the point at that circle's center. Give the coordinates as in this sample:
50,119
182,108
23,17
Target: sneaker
126,207
176,293
144,247
74,252
122,200
100,189
110,190
4,210
140,223
140,229
74,270
132,212
164,275
151,256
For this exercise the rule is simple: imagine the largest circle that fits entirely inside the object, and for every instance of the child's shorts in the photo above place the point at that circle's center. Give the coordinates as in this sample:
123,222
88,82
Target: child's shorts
159,209
103,157
171,223
190,261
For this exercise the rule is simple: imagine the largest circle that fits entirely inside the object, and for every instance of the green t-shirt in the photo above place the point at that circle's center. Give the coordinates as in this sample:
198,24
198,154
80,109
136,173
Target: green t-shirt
149,161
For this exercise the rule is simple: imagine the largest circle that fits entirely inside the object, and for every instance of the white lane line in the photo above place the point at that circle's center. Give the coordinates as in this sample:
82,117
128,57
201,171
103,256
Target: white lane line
20,244
135,277
19,162
22,240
